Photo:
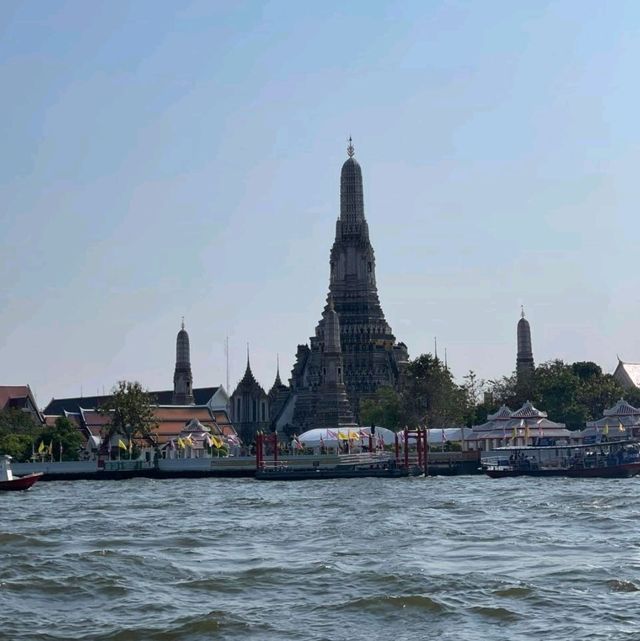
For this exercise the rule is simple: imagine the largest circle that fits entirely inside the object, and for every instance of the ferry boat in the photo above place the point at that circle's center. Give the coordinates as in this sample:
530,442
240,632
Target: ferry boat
9,483
607,459
285,472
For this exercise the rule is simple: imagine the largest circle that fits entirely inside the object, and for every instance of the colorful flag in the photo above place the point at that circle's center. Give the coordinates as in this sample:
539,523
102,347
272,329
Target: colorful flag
121,444
41,447
180,443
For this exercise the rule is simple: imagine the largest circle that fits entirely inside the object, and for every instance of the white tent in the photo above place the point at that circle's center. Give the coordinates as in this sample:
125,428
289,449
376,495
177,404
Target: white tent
451,434
329,436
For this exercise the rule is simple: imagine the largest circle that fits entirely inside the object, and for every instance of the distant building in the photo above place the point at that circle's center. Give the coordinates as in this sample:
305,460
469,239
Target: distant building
618,422
20,397
627,374
216,398
249,406
370,356
182,377
526,426
525,366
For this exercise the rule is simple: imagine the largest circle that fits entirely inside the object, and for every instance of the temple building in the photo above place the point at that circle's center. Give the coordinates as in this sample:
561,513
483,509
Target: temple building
368,354
627,374
526,426
524,362
249,406
621,421
182,377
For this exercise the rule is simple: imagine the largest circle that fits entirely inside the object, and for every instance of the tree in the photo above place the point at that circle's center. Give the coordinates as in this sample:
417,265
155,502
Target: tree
384,409
18,432
130,411
64,434
430,396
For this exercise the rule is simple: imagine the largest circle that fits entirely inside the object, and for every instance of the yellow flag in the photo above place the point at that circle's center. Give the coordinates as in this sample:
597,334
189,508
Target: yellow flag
342,437
121,444
217,443
606,428
354,436
515,433
188,440
180,443
41,447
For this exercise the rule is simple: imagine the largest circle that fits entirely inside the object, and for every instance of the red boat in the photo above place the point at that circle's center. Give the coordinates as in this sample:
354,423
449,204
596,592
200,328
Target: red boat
10,483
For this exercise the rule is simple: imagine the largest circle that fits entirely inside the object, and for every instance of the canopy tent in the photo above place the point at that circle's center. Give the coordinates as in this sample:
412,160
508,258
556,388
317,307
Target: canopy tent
436,436
329,437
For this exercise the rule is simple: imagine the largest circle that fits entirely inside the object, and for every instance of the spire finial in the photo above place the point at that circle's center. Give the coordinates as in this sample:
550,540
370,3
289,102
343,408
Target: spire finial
182,324
522,311
247,353
350,149
278,365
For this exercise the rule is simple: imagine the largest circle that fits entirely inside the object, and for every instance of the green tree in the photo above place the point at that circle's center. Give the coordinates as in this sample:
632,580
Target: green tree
18,433
130,411
64,434
430,395
384,409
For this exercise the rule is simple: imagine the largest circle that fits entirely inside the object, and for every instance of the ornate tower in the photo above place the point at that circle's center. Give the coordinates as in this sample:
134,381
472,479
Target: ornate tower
371,358
249,406
333,409
182,378
524,361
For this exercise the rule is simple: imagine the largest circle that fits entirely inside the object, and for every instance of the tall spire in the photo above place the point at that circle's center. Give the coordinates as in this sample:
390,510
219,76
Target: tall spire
524,361
351,192
182,377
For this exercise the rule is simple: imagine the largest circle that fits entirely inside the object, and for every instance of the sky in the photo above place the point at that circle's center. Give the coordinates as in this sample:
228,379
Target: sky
164,159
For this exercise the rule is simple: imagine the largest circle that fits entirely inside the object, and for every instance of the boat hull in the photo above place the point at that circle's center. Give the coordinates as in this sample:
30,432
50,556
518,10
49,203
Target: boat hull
20,483
288,474
625,470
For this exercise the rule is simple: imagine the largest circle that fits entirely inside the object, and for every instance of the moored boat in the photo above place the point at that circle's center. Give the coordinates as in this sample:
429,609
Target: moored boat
608,459
284,472
9,483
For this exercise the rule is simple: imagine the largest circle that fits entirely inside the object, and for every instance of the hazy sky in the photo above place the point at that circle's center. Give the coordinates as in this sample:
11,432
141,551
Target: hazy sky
162,159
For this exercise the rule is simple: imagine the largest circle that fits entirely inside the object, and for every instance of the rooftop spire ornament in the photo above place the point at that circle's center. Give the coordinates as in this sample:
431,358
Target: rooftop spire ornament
350,149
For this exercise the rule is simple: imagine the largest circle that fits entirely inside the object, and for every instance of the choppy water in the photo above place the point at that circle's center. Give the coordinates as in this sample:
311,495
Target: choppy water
441,558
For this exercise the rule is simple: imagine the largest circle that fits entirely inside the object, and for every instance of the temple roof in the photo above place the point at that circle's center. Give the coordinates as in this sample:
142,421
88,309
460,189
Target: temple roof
58,406
503,414
528,411
629,371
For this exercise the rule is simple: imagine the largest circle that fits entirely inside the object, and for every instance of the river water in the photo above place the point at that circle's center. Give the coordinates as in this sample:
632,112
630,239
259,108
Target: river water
401,559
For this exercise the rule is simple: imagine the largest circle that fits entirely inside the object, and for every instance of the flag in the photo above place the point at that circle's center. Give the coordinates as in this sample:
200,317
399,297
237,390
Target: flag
526,433
217,443
51,448
41,447
208,440
515,433
621,426
121,444
188,440
130,446
606,428
540,428
172,444
180,443
341,436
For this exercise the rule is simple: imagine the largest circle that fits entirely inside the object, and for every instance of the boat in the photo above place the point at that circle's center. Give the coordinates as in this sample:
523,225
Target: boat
284,472
9,483
607,459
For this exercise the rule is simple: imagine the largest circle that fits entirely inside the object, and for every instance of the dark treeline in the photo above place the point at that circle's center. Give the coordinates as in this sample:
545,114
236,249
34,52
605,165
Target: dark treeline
571,393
